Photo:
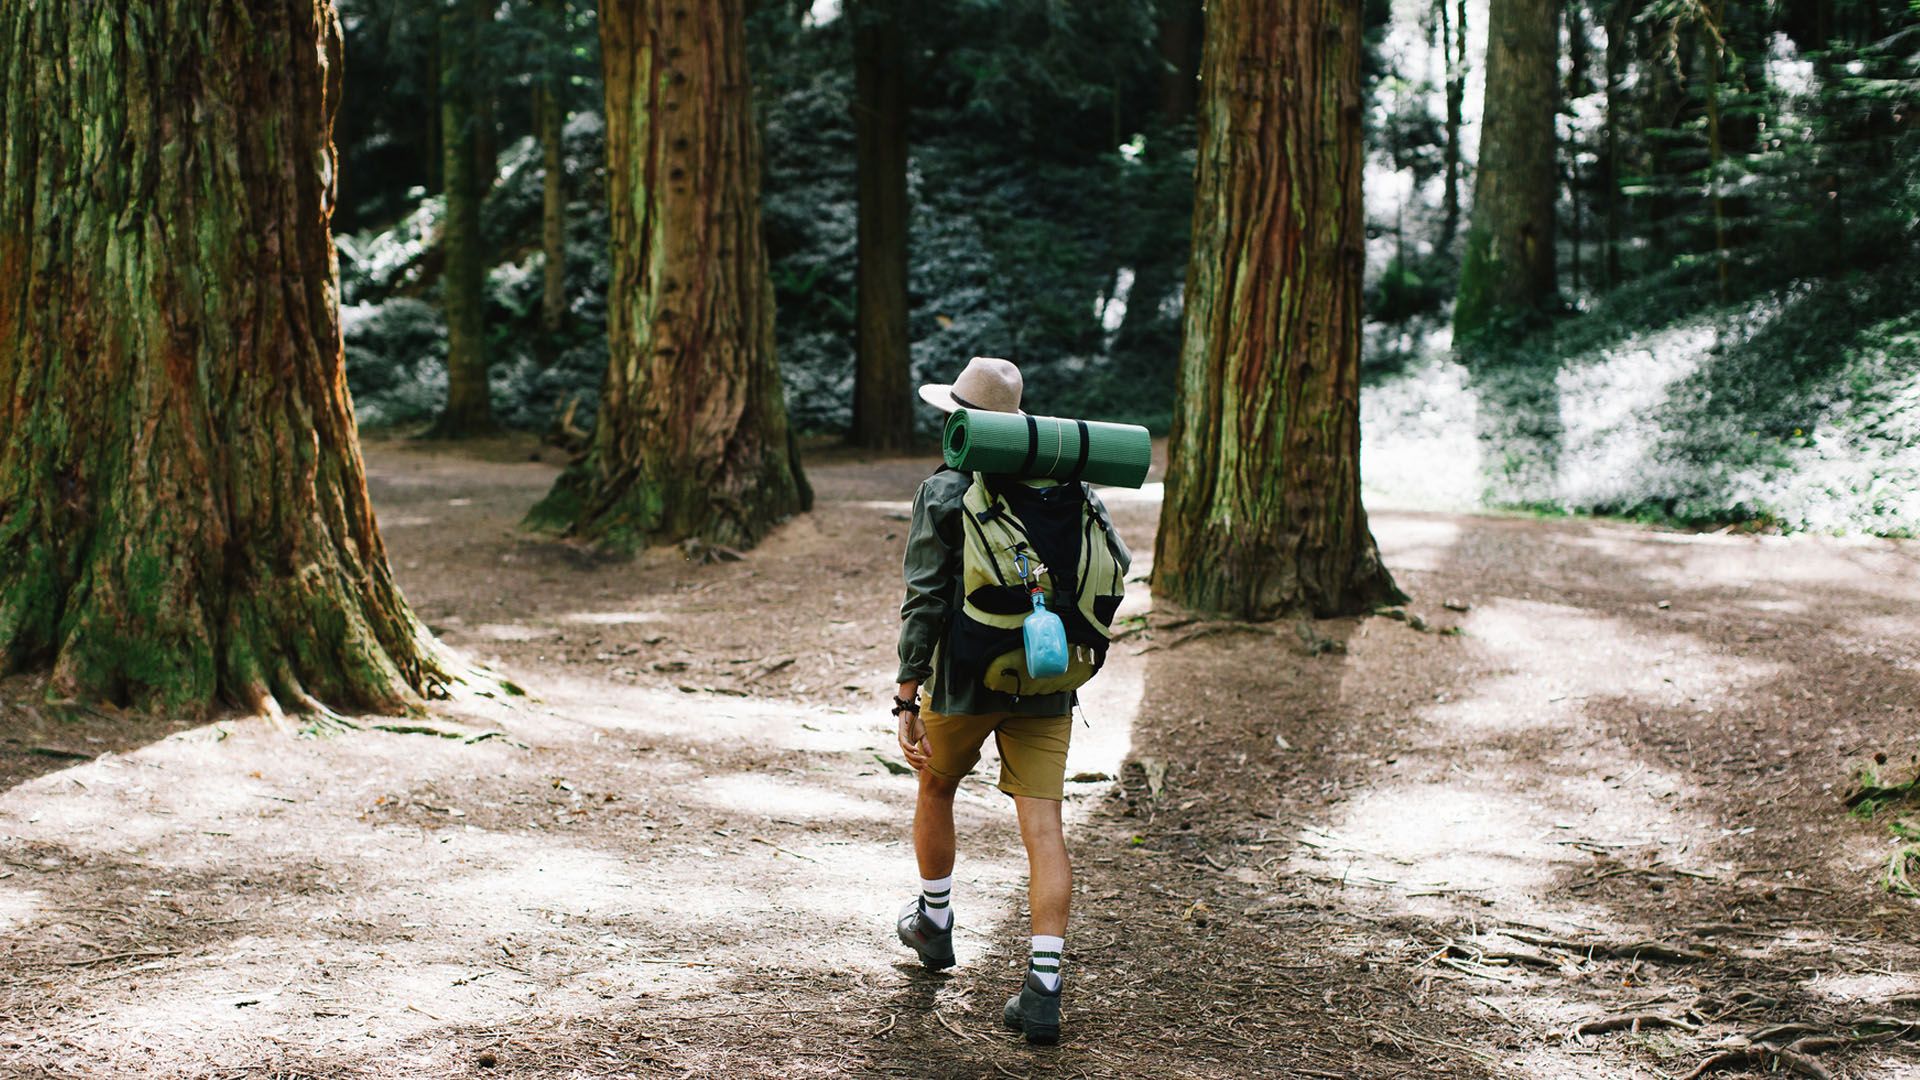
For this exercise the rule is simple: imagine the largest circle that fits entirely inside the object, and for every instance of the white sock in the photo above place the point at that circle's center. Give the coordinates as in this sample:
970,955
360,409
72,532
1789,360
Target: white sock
1045,964
936,896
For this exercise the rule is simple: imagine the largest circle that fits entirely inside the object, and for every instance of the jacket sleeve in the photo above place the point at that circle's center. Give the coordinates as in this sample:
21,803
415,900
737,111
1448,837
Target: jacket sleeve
932,568
1114,542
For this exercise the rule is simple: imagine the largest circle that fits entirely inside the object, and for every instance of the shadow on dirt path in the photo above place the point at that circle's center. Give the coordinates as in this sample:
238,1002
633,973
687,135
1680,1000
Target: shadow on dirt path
1411,855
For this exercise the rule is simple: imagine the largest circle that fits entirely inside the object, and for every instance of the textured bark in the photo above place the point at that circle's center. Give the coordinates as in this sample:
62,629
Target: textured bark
1262,516
1507,274
463,298
882,394
553,211
183,509
1453,46
691,440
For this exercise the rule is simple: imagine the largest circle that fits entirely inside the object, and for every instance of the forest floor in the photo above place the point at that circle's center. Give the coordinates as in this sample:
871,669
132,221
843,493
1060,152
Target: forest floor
1598,832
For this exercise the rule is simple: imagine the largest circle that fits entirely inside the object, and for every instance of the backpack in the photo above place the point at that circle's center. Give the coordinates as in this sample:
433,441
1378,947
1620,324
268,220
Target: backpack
1062,532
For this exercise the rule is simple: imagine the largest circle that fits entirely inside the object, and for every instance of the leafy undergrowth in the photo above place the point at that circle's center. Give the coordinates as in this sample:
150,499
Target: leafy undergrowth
1797,410
1879,786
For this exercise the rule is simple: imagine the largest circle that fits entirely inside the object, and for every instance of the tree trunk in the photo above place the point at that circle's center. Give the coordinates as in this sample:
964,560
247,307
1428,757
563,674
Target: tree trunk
1262,516
1616,59
691,440
553,220
183,509
1456,56
1716,48
435,155
484,72
463,298
1174,42
882,396
1507,275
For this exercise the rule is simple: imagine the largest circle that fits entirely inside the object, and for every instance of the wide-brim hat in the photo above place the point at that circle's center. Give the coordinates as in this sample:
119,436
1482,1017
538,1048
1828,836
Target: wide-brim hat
988,383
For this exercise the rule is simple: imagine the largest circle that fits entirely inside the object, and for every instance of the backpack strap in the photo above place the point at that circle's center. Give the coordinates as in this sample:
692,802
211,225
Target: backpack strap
1086,444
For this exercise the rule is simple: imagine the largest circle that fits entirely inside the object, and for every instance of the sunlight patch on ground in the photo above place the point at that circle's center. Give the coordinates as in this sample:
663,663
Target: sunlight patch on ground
800,801
1694,561
613,618
1419,446
1409,542
1609,413
1503,832
1863,989
18,906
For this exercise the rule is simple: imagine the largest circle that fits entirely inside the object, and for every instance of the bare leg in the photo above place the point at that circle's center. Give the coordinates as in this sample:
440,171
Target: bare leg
933,825
1049,875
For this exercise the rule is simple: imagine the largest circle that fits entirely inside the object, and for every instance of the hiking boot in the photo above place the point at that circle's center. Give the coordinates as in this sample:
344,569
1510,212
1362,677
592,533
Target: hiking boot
917,932
1035,1010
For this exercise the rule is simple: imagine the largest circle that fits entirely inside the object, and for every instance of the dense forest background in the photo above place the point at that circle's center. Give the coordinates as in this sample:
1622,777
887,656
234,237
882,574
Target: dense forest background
1730,333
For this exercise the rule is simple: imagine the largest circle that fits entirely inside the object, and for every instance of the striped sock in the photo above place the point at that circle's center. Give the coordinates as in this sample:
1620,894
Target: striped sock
936,895
1045,964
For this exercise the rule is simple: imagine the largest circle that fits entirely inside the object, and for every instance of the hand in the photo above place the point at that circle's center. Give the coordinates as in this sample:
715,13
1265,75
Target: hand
913,741
912,733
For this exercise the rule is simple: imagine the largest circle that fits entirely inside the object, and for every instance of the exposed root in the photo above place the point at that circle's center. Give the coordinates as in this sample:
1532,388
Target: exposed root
1635,1022
1631,950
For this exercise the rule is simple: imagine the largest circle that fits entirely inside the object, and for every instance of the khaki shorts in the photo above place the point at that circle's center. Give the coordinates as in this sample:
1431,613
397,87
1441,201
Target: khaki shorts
1033,749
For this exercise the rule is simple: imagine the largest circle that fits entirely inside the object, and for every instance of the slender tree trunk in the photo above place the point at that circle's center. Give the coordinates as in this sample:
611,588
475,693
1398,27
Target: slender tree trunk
691,440
1455,52
183,509
553,218
1174,43
1507,275
434,150
463,299
485,79
1716,48
882,396
1616,60
1262,514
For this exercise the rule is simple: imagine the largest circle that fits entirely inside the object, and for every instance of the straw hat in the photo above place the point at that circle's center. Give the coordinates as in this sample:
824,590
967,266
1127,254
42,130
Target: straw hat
989,383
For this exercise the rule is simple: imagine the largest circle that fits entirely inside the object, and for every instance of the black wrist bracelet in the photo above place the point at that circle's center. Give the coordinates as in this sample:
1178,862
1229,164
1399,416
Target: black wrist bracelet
901,705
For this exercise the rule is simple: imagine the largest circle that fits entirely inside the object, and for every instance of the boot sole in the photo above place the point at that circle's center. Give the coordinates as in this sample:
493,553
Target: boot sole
1037,1034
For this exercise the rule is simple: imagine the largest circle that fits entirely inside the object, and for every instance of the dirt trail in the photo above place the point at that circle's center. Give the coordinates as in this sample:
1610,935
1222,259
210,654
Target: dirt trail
1613,793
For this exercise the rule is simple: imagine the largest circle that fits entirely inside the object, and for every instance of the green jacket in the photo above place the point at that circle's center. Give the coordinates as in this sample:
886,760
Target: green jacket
934,542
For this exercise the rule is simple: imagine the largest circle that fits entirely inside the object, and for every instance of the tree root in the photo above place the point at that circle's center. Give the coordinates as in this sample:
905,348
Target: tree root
1631,950
1635,1022
1797,1056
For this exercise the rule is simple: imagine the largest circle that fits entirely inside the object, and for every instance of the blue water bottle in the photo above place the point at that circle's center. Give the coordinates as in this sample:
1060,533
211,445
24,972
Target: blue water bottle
1045,635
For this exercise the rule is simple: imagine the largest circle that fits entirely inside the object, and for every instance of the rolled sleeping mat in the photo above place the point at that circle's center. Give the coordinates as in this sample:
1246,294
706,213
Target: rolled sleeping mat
1036,447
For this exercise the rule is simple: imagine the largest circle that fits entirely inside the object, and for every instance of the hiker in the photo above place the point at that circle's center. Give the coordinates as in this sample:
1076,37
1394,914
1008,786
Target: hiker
955,620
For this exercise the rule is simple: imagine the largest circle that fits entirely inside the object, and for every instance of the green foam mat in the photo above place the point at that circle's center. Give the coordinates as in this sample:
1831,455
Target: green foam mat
1034,447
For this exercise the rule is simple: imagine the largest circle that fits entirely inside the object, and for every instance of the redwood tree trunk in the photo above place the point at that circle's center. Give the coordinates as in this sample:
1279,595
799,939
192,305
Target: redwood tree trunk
691,440
882,396
463,298
1507,274
1262,515
183,510
553,122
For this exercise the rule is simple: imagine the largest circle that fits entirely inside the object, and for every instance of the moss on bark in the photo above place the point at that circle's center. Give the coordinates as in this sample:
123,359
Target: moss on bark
183,508
691,439
1262,516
